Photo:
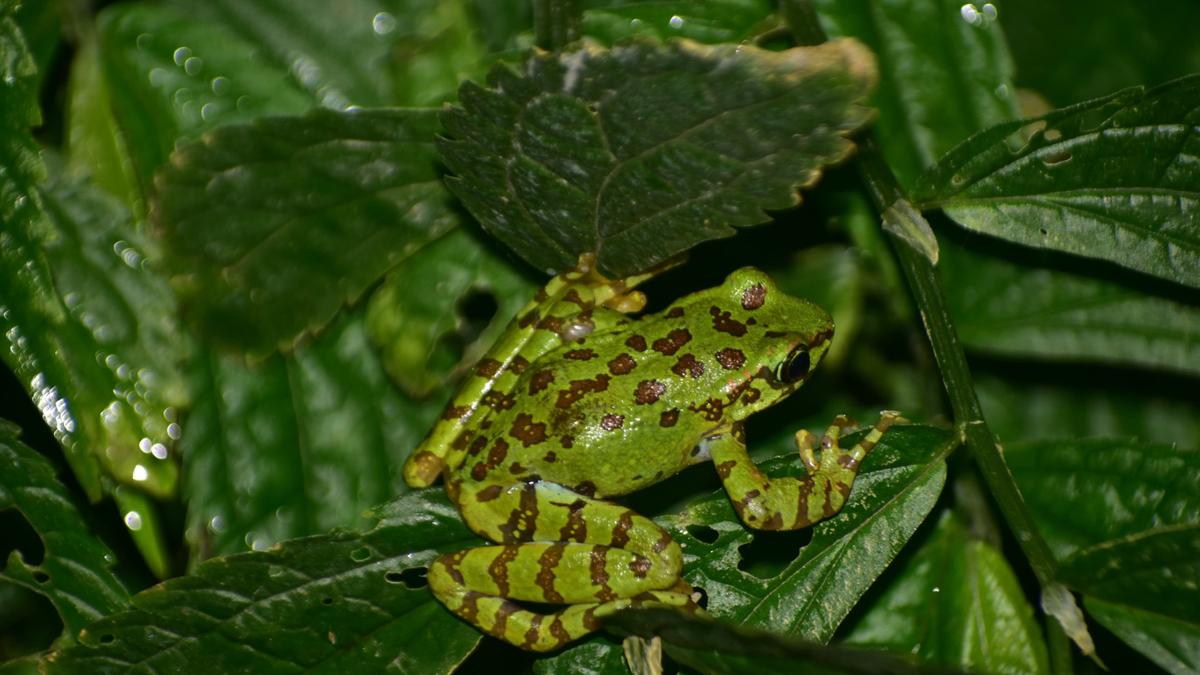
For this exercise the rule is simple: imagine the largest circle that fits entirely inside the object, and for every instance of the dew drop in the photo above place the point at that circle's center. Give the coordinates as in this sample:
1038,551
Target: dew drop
133,520
676,22
181,55
383,23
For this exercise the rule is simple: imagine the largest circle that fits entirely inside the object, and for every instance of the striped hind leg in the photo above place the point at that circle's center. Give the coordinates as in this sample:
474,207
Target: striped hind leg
559,547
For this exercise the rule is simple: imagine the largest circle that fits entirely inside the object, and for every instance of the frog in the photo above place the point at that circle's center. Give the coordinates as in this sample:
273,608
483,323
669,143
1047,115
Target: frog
579,402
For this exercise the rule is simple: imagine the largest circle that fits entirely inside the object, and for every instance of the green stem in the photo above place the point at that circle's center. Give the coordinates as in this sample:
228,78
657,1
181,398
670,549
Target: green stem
885,191
1059,646
556,23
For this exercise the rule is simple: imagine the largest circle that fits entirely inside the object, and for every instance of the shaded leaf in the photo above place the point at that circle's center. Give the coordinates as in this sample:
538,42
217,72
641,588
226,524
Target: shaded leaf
598,655
926,106
899,483
272,227
1172,644
74,572
639,152
416,318
171,75
335,603
1046,311
1114,179
364,53
714,647
293,447
955,602
610,21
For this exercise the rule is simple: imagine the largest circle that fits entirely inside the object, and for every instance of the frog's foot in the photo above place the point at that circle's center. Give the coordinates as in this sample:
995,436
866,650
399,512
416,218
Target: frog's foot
794,503
509,621
558,547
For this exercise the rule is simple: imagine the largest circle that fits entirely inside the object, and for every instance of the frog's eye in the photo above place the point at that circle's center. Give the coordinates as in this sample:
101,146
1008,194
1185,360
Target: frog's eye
795,367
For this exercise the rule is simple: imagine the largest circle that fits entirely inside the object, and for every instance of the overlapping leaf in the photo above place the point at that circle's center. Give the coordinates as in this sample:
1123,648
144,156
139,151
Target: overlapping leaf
639,152
292,447
336,603
955,602
272,227
900,482
1113,179
611,21
74,572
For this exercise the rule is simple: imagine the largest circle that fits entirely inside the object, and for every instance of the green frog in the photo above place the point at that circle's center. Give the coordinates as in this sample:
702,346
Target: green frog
577,403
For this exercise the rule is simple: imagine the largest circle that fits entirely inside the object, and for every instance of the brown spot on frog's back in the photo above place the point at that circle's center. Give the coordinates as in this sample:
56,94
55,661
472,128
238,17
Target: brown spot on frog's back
710,409
577,389
587,488
687,365
674,312
622,365
730,358
527,431
455,412
648,391
498,400
636,343
723,322
540,380
669,418
612,422
487,367
753,297
673,340
519,364
584,354
567,441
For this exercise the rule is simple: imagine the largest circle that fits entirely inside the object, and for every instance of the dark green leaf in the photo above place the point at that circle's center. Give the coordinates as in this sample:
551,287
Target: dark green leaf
1172,644
39,22
294,447
338,603
611,21
945,77
598,655
1088,493
1115,179
171,76
363,53
74,572
1044,311
416,317
809,597
714,647
272,227
955,602
640,152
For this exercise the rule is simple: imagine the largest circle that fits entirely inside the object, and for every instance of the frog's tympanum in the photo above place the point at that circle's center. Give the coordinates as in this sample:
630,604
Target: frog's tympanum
577,403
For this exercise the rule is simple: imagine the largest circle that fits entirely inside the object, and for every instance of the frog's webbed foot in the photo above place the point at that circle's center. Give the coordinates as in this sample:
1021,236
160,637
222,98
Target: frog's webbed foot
794,503
559,547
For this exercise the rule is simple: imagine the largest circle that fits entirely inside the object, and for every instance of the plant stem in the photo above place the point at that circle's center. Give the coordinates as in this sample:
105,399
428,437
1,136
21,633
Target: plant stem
885,191
556,23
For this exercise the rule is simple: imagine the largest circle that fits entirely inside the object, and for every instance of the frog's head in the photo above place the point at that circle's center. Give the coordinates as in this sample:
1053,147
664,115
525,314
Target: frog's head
783,338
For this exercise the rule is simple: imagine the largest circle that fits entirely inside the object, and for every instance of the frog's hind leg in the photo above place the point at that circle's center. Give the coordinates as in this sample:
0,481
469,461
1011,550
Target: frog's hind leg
557,546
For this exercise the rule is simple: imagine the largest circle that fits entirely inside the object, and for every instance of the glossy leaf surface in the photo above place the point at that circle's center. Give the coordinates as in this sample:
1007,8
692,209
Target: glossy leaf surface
270,228
639,152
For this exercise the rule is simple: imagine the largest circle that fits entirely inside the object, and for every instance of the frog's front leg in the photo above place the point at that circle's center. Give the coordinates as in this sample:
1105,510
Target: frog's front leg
557,547
793,503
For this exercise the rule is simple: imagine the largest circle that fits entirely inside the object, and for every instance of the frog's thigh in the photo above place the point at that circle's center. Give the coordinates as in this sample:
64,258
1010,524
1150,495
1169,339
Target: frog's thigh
561,546
789,503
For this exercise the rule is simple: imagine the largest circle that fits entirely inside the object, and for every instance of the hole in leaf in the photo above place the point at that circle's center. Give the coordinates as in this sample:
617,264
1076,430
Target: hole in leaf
412,578
703,533
703,599
1056,158
477,309
327,600
40,576
1096,118
1018,141
1052,135
360,554
770,552
1044,231
108,639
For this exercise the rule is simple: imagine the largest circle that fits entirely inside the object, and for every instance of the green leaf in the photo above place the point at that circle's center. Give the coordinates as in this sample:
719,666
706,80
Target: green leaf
955,602
272,227
1113,179
640,152
171,76
944,77
74,572
1047,311
41,26
1172,644
363,53
899,483
611,21
336,603
714,647
416,318
296,446
1123,517
594,656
